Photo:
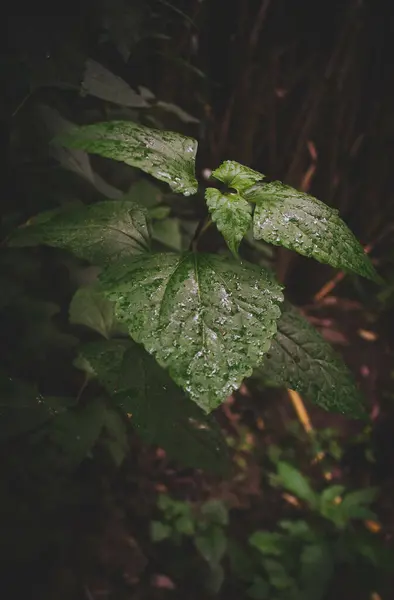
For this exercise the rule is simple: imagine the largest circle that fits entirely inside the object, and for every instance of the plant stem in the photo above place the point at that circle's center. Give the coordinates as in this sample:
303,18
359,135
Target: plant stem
200,230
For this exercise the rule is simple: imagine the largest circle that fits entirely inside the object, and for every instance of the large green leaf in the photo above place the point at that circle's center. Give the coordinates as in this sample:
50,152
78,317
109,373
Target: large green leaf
207,319
237,176
166,155
232,215
101,233
295,220
300,359
161,412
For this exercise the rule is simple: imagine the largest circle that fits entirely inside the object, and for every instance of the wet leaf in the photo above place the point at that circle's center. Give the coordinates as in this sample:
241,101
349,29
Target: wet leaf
160,411
232,215
237,176
100,233
208,320
295,220
300,359
102,83
166,155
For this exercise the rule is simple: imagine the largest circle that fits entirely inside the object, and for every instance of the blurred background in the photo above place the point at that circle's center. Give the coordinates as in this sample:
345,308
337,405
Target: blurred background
302,92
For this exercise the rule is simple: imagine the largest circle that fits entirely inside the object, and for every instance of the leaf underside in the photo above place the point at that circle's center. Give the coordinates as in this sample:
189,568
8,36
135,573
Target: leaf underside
209,321
300,359
100,233
286,217
232,215
161,412
166,155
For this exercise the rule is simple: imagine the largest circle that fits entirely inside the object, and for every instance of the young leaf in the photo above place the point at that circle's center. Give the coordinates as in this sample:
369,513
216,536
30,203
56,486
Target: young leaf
232,215
100,233
89,307
207,319
236,176
161,413
294,481
166,155
295,220
300,359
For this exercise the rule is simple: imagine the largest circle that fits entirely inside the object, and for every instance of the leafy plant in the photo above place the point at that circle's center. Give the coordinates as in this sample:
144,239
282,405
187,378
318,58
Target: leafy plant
206,526
208,320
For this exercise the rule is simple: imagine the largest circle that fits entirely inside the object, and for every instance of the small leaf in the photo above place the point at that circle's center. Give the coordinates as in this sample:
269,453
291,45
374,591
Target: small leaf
267,542
295,220
236,176
168,156
300,359
215,511
177,111
295,482
212,545
100,82
75,432
161,413
159,531
100,233
232,215
89,307
207,319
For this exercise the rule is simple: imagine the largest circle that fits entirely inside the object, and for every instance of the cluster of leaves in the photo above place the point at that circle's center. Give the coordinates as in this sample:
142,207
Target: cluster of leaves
208,320
300,556
205,525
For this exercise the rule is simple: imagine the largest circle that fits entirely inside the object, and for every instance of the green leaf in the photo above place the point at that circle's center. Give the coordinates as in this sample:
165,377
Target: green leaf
161,413
102,83
23,408
184,525
232,215
100,233
295,220
328,507
295,482
316,570
75,432
260,589
116,436
237,176
168,232
166,155
212,545
277,574
207,319
144,193
159,531
267,542
215,511
89,307
300,359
